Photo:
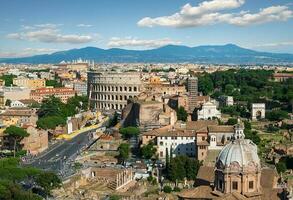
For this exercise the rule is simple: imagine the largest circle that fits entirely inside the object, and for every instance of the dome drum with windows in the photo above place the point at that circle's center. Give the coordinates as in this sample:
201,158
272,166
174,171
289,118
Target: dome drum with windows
238,166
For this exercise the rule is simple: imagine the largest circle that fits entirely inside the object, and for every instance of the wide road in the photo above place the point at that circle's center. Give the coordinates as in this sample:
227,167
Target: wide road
57,158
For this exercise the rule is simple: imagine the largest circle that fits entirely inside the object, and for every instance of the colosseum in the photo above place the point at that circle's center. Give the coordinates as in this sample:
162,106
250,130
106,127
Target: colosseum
108,90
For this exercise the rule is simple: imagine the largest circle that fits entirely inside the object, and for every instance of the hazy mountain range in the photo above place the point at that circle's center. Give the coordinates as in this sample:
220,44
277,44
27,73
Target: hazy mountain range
221,54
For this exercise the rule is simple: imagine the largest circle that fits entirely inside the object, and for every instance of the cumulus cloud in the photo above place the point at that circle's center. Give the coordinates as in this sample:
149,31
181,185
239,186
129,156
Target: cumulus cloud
273,13
84,25
134,42
209,6
50,35
25,52
36,26
212,12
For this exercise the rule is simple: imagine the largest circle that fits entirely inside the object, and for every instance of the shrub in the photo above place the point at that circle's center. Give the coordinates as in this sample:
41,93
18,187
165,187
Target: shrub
281,167
176,189
167,189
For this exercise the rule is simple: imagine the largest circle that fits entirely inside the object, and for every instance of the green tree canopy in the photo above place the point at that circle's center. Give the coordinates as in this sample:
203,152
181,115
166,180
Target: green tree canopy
252,135
281,167
129,131
182,114
53,83
231,121
12,175
48,181
183,167
8,102
114,120
148,151
277,115
124,151
167,189
51,122
8,78
205,84
17,134
53,112
50,106
114,197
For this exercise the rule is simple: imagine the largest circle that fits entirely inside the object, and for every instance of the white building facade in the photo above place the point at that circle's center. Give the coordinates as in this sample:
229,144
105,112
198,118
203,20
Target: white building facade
176,143
17,104
208,111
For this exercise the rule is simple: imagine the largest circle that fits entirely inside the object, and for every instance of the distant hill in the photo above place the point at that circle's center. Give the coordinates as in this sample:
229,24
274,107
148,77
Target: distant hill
220,54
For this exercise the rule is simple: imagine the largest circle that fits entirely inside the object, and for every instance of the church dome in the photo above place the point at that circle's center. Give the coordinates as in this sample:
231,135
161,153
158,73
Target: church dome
239,155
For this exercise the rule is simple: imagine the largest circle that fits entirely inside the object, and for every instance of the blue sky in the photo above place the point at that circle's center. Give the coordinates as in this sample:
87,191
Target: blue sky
30,27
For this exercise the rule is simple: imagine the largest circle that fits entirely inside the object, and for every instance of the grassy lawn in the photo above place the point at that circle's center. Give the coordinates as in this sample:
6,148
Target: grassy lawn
271,136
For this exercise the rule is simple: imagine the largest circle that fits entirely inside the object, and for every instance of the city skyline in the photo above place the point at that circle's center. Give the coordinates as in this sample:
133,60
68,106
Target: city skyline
31,27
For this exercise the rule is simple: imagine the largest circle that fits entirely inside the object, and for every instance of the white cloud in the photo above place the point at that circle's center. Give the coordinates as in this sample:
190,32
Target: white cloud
26,27
48,25
38,26
49,35
275,44
84,25
134,42
273,13
210,12
25,52
15,36
208,6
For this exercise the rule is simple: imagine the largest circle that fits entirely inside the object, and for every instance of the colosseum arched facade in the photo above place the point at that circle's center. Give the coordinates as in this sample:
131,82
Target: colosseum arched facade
109,90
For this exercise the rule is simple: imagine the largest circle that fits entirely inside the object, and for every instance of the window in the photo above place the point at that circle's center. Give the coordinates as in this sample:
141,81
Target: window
161,153
203,138
161,143
235,185
250,184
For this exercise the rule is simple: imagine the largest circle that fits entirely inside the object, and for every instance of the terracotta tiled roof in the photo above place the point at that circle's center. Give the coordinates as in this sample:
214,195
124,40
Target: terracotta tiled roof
232,196
201,192
18,112
156,132
202,98
48,91
270,194
197,125
206,173
221,129
267,177
170,131
27,101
